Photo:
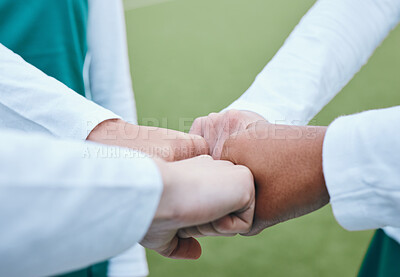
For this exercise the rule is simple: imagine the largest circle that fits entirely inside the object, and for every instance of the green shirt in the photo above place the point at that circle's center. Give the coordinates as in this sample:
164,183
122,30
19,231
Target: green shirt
51,35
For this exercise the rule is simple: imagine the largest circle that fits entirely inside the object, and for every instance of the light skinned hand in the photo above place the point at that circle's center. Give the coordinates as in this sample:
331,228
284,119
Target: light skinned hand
218,127
286,162
166,144
216,196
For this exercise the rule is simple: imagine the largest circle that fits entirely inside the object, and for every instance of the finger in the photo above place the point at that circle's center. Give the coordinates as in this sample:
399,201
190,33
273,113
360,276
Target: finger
205,230
217,151
210,231
188,248
190,232
190,146
226,152
197,126
207,157
200,146
235,223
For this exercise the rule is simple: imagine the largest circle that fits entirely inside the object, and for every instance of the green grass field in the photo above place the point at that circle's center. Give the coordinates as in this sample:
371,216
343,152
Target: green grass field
193,57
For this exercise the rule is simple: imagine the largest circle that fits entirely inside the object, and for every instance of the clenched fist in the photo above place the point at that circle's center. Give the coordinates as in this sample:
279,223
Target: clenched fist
200,197
217,127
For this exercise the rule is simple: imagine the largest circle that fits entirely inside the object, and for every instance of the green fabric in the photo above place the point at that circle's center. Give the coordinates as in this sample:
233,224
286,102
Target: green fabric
51,35
98,270
382,258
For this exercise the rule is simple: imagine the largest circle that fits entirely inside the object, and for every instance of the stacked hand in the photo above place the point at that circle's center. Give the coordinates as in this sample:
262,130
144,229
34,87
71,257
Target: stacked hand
218,127
207,197
286,162
201,197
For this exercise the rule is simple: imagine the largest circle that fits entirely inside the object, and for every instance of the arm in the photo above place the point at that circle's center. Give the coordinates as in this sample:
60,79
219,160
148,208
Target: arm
111,87
323,53
109,73
364,148
330,44
32,101
59,200
62,198
297,169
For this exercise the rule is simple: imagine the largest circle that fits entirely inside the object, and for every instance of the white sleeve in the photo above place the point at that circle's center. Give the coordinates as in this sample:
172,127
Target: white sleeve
362,169
32,101
330,44
66,204
109,73
111,87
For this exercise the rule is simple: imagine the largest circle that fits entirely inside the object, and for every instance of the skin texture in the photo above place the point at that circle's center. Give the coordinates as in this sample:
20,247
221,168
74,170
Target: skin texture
168,145
216,196
218,127
200,196
286,162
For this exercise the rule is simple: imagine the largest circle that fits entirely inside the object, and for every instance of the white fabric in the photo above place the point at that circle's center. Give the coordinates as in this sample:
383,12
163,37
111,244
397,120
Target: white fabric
330,44
110,86
361,166
68,204
32,101
109,74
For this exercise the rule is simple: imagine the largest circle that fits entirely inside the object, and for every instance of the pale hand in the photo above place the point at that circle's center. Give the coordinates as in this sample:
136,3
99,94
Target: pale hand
166,144
218,127
215,196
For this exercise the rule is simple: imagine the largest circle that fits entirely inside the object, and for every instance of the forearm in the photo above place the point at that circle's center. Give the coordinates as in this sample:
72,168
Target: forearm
31,100
330,44
297,169
286,162
78,194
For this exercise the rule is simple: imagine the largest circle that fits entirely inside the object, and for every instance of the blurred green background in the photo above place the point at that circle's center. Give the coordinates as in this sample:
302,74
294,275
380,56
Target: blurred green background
193,57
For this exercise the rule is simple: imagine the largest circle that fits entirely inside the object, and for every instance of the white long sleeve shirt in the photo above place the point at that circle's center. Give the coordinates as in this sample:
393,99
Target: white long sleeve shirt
68,204
109,85
330,44
31,101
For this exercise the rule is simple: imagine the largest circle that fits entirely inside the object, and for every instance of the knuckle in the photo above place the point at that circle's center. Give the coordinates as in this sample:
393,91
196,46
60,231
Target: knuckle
233,116
221,226
246,172
225,163
200,145
206,157
198,122
247,183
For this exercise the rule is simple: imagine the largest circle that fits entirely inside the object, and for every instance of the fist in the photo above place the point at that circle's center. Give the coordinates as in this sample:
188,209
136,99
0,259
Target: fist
217,127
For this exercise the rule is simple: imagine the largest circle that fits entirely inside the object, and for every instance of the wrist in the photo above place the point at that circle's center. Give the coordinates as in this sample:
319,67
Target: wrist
317,179
107,129
115,132
165,210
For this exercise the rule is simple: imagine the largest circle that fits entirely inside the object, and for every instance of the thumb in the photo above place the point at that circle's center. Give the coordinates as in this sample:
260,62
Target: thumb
190,147
186,249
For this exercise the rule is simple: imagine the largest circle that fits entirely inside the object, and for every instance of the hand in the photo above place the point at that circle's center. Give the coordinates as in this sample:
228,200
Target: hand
157,142
216,196
217,127
286,162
